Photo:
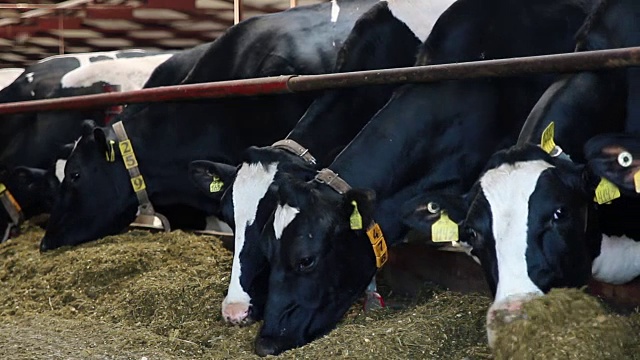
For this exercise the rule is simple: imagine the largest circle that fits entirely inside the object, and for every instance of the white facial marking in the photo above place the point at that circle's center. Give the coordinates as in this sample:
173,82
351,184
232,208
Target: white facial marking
128,73
250,186
283,216
60,163
419,15
335,11
508,189
29,77
619,260
8,76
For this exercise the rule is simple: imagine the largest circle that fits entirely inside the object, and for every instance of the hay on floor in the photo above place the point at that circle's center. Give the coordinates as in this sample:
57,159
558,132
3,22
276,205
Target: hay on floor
158,296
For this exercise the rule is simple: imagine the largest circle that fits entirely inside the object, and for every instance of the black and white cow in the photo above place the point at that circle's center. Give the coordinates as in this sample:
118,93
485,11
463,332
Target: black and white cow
96,197
387,36
35,189
32,139
531,219
428,136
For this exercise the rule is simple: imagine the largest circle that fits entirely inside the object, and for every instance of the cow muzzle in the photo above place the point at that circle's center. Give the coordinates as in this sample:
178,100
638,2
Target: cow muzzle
505,311
267,345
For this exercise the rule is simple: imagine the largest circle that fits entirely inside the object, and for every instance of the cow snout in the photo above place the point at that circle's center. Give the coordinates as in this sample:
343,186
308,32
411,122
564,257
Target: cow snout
237,313
44,246
266,345
506,311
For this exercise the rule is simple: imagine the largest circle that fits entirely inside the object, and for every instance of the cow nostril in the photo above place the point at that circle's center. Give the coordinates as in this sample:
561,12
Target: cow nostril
266,346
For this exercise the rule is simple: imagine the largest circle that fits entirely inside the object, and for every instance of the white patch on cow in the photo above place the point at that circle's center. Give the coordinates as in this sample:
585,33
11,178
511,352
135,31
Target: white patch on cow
619,260
419,15
128,73
29,77
250,186
508,189
8,76
33,93
60,164
283,216
85,58
335,11
215,224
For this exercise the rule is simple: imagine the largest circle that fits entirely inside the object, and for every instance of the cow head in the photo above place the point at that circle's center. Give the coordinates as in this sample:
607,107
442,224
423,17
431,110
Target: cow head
318,264
248,201
530,221
89,171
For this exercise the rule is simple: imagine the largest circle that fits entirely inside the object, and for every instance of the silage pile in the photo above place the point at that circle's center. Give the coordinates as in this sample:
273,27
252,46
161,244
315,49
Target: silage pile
157,296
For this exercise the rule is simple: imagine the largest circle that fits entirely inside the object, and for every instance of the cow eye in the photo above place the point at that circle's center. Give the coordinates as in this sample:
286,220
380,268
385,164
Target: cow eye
559,214
305,264
74,176
625,159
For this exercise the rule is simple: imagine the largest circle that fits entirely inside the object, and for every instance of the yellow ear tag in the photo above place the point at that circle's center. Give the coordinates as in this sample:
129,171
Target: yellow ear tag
546,143
636,181
216,185
111,154
2,188
355,221
444,230
606,191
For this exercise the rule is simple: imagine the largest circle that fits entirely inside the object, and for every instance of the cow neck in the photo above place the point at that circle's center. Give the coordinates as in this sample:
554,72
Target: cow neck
145,208
296,149
374,233
323,127
13,209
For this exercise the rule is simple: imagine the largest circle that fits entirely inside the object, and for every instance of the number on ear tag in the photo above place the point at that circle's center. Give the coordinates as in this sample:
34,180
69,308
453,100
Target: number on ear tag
216,185
606,192
636,181
355,221
546,143
444,230
138,183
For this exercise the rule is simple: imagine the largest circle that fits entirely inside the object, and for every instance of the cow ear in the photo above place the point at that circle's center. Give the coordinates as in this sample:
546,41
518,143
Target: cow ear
210,177
615,157
423,211
101,142
359,208
87,127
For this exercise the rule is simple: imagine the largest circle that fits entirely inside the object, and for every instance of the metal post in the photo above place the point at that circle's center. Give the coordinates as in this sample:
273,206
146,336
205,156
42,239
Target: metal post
237,11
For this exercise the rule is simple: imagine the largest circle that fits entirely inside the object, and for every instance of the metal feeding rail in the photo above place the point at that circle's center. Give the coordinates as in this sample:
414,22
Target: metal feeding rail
571,62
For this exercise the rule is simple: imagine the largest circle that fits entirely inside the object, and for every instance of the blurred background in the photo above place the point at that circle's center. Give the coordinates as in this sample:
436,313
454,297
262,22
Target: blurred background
30,31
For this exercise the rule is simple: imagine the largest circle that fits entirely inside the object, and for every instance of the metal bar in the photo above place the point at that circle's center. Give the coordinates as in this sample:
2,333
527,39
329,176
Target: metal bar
570,62
221,89
592,60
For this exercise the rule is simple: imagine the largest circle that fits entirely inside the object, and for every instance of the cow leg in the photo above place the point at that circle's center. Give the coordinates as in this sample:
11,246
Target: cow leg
372,299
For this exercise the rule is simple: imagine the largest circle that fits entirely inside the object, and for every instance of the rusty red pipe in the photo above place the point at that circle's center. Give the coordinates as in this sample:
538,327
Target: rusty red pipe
590,60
